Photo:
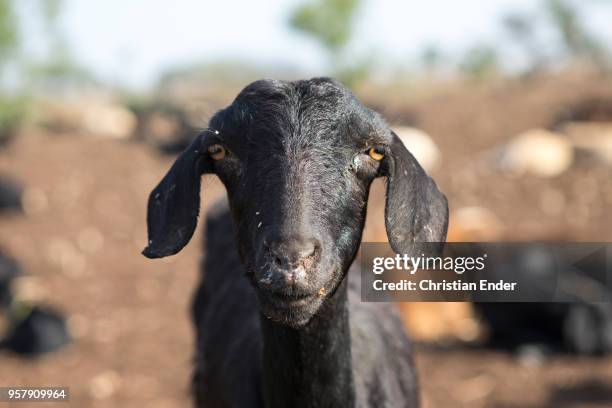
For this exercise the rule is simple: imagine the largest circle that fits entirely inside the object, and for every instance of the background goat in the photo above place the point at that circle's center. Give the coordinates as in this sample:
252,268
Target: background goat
297,160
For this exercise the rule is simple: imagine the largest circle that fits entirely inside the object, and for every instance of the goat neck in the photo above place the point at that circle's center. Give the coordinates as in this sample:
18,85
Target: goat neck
310,366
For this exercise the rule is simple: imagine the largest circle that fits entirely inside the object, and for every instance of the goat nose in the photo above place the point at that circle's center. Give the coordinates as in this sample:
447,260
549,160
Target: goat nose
290,254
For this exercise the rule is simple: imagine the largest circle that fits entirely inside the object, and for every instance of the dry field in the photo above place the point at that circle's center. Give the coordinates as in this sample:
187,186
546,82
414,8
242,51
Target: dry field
84,227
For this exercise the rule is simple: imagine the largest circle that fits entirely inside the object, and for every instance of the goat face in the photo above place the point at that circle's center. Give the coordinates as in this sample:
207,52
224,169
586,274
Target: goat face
297,160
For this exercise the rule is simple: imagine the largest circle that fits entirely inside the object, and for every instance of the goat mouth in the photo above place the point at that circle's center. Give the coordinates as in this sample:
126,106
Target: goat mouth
284,300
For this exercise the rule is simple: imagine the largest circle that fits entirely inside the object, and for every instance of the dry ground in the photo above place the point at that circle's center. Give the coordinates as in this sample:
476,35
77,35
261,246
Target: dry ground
85,226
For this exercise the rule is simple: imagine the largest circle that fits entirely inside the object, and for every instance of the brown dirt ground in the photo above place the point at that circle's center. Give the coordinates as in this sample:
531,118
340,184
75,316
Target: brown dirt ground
84,228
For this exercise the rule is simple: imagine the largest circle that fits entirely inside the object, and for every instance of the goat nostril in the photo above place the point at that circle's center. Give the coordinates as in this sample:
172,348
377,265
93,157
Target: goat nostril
308,262
278,261
315,250
310,259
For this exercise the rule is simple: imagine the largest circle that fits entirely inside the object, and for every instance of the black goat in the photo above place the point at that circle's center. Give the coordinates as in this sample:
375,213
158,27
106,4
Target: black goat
11,195
297,160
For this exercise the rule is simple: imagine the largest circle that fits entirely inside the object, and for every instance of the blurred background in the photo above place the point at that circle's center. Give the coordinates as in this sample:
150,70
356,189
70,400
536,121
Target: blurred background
507,104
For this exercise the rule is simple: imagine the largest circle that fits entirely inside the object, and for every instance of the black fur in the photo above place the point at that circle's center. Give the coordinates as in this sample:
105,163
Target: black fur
297,173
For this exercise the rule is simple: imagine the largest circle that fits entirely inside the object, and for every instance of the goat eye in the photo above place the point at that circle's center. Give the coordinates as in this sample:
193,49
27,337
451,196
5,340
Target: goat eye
377,153
216,151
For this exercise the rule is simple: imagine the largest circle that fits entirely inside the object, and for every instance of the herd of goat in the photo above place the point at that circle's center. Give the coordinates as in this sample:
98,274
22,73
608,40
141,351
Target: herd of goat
32,329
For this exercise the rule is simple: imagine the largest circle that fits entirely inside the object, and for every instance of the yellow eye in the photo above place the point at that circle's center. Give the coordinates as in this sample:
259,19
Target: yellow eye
216,151
377,153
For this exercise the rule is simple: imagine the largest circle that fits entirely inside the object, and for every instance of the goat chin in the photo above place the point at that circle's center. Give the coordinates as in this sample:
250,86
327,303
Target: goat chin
295,314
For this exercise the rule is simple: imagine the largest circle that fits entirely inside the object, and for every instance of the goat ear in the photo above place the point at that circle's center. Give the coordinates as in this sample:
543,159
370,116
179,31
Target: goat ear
416,211
172,212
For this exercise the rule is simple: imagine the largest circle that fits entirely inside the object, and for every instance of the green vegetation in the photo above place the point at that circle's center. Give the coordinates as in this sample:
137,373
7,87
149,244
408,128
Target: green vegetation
8,31
480,63
432,58
330,22
20,75
577,40
12,110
